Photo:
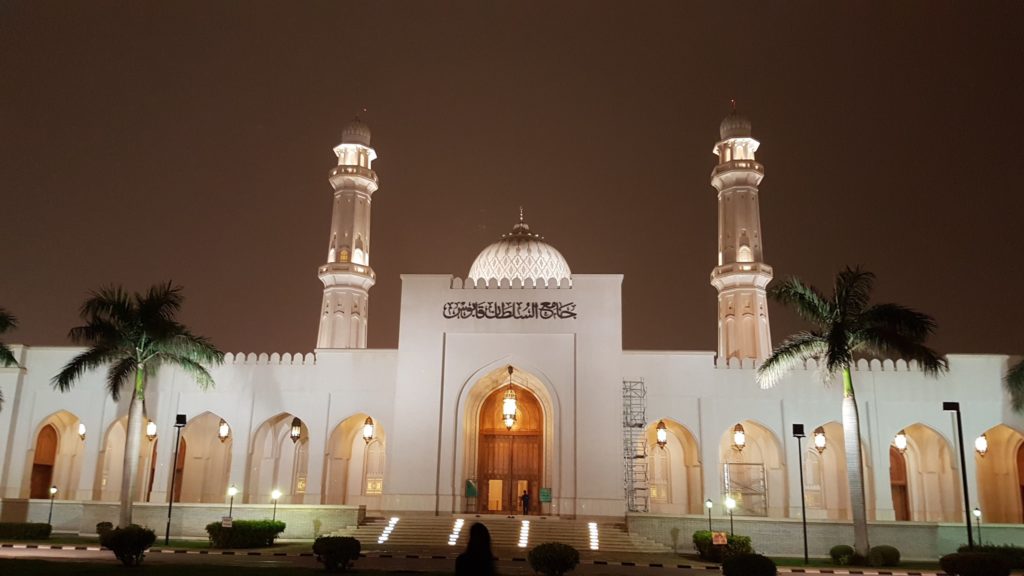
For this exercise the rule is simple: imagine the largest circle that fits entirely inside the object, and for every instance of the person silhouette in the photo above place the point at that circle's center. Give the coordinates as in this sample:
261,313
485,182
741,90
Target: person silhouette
526,502
477,560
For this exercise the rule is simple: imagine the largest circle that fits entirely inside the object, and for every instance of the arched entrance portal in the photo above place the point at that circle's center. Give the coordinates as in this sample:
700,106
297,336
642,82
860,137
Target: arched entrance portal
510,460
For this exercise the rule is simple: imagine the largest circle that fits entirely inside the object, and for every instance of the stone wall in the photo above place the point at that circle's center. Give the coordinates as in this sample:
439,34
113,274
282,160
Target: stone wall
783,537
187,520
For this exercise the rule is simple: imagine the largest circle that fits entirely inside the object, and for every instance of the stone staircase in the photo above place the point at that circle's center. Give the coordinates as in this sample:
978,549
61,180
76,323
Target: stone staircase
506,533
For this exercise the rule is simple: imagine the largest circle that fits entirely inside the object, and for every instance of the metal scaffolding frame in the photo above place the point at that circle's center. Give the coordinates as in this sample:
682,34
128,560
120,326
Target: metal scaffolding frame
634,445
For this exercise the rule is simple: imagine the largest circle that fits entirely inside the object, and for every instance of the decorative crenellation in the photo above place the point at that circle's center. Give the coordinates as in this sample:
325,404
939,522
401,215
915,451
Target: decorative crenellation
862,365
298,358
514,284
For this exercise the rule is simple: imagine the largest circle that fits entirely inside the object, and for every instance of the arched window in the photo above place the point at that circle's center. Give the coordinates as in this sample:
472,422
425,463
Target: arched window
373,471
661,475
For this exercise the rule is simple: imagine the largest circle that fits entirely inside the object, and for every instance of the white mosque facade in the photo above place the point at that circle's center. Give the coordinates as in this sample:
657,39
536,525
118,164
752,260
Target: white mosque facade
439,442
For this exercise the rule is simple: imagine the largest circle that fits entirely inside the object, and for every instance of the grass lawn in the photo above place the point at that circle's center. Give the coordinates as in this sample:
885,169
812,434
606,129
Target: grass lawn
798,561
47,568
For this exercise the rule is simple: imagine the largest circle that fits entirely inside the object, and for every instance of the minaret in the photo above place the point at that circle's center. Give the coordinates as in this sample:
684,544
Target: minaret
741,275
347,275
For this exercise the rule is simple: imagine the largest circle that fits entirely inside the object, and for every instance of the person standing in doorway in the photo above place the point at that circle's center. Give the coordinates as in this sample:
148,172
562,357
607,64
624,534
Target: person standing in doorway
526,502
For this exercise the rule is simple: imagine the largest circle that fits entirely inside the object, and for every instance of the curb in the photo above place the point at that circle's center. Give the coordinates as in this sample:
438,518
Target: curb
453,556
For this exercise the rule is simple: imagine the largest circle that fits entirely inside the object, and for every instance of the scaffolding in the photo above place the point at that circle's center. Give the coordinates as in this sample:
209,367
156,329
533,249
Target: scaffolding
634,444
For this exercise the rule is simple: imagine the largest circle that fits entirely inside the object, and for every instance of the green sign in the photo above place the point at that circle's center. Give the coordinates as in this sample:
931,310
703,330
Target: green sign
471,491
545,494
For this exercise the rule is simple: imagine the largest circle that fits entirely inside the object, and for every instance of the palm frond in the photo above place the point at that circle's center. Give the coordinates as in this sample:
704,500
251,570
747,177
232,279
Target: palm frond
197,371
852,291
884,342
1014,382
808,303
96,331
7,356
89,360
160,304
7,321
119,374
788,355
907,322
110,303
839,355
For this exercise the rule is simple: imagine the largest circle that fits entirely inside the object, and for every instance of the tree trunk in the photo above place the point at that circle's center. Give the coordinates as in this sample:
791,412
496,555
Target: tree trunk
854,465
132,441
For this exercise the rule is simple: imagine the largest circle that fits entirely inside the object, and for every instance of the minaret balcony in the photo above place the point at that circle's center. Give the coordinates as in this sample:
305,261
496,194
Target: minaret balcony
739,274
349,171
332,273
734,165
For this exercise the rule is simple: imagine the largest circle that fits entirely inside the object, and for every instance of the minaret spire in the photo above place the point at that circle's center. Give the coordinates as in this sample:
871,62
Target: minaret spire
741,275
347,275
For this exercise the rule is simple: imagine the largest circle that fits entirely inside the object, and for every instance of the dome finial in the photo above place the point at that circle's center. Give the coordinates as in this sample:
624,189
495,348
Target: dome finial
733,102
520,214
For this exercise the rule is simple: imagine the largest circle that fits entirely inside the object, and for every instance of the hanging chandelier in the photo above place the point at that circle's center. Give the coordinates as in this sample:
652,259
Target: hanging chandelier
662,434
739,438
508,404
296,430
820,442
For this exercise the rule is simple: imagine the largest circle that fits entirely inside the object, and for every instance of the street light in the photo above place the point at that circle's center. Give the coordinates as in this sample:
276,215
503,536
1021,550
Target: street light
232,492
275,495
977,518
508,404
179,423
53,493
662,434
81,431
798,433
739,438
151,430
223,430
296,432
955,407
981,446
708,504
731,505
368,430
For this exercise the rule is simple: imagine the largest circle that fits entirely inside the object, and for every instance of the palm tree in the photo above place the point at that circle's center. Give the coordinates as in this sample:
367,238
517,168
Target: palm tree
847,328
7,321
135,335
1014,382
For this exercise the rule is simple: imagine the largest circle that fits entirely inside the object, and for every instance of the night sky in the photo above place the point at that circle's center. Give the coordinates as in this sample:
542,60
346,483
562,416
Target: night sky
145,141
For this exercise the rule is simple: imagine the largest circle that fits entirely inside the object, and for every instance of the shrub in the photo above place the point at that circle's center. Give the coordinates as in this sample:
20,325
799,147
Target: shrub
25,530
336,552
553,558
975,564
715,553
883,556
245,533
841,554
129,544
748,565
104,527
1015,554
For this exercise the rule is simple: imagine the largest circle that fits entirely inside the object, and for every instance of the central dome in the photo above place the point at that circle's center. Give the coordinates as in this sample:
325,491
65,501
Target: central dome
520,254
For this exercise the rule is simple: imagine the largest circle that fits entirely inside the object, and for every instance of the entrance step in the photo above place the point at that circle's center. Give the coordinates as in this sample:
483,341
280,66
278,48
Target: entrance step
520,532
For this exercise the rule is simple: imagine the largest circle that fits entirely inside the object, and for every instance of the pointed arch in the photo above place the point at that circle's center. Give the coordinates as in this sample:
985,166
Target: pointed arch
674,471
276,462
830,496
755,476
205,460
107,487
354,469
55,457
932,484
1000,475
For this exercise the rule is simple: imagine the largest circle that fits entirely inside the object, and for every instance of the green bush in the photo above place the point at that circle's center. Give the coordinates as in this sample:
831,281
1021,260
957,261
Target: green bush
1015,554
104,527
841,554
712,553
25,530
748,565
129,544
245,533
975,564
336,552
883,556
553,558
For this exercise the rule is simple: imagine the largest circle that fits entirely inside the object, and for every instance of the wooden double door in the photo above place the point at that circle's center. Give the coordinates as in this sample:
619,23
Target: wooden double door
510,462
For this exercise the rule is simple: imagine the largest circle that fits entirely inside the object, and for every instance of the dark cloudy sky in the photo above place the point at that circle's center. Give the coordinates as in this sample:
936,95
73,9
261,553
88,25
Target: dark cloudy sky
144,141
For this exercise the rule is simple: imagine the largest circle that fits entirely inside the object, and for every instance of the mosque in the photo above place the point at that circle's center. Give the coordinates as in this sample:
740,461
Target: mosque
514,379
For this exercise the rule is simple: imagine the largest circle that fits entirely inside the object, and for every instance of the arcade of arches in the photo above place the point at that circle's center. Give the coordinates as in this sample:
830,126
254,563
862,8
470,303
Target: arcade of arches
923,479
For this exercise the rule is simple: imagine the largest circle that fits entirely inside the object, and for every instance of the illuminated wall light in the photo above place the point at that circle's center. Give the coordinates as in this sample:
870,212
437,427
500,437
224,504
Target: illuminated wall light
594,536
456,529
81,431
739,438
981,445
524,534
386,533
900,441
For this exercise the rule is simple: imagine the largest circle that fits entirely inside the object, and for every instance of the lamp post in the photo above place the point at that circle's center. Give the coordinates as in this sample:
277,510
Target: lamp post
179,423
730,503
232,491
955,407
977,518
798,433
275,495
53,493
708,504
